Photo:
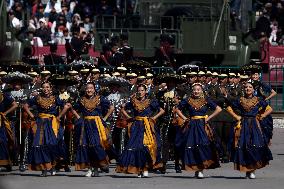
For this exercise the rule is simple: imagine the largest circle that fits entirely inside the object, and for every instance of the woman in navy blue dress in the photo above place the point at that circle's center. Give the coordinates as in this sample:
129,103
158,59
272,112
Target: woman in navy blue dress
91,133
141,152
7,105
249,150
200,150
44,150
265,92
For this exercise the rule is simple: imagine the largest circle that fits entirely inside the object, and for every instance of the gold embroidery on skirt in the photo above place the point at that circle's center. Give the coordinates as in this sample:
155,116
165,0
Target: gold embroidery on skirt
46,103
140,106
248,103
197,103
90,104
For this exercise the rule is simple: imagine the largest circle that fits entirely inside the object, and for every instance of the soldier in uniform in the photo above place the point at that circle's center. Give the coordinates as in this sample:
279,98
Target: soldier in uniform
141,79
132,78
207,82
223,122
191,77
94,77
2,84
122,70
151,88
201,76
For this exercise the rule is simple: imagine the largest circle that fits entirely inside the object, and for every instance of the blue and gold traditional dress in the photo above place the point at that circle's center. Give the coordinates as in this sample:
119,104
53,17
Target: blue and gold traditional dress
200,146
91,133
141,151
249,150
6,133
261,89
44,150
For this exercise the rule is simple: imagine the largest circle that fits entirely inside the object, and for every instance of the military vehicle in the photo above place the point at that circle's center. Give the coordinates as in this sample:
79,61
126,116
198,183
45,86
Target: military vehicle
200,30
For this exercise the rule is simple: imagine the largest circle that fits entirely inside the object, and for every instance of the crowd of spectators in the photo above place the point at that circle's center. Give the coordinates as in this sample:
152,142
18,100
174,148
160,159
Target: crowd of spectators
58,21
270,21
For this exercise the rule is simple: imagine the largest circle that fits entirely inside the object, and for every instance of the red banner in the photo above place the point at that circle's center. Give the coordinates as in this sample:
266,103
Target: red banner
274,56
60,51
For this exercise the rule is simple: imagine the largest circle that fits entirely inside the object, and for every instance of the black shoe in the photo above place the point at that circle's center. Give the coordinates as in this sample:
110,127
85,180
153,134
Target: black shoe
22,168
178,169
161,170
224,160
44,173
95,172
8,168
105,169
67,169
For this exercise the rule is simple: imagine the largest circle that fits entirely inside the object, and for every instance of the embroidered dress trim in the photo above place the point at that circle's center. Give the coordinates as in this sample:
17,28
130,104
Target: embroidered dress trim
197,103
90,104
249,103
140,106
46,103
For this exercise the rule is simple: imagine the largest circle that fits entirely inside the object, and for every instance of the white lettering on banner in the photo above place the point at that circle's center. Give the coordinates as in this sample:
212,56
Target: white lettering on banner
273,66
274,59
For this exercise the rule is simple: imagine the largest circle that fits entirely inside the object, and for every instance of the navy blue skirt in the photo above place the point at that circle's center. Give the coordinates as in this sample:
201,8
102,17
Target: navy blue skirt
136,157
200,147
89,151
44,150
249,147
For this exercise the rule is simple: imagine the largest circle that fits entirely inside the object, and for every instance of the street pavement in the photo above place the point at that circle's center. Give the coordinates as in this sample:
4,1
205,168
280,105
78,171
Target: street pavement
270,177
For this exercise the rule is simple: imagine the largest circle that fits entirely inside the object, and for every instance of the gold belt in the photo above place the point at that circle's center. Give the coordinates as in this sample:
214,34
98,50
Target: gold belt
199,117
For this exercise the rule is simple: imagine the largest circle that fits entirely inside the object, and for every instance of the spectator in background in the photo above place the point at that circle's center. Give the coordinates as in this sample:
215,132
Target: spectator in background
104,8
88,24
35,41
43,31
9,4
263,25
72,6
66,12
77,43
52,16
76,20
60,22
52,5
33,23
273,35
14,22
39,11
18,10
66,36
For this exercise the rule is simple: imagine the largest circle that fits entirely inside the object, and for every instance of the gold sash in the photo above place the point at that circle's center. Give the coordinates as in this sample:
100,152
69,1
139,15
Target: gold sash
101,130
149,138
6,123
55,123
199,117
